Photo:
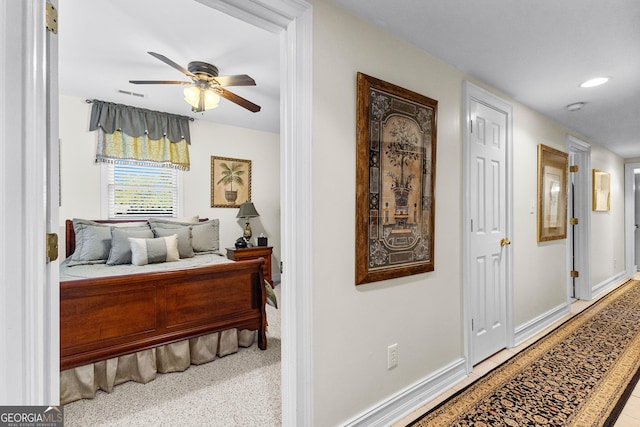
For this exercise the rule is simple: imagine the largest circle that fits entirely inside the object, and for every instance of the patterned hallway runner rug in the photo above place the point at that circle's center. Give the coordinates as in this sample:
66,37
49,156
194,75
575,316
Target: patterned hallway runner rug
580,374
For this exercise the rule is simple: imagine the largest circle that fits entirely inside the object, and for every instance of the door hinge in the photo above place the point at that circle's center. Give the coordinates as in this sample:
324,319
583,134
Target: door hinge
52,247
472,324
52,18
574,273
471,125
573,221
573,168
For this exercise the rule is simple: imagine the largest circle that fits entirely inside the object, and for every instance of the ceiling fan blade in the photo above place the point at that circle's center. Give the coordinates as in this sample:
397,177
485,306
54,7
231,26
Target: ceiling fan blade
239,100
159,82
171,63
238,80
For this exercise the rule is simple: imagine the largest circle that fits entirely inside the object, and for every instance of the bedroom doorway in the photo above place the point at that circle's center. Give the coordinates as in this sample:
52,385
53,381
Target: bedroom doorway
291,19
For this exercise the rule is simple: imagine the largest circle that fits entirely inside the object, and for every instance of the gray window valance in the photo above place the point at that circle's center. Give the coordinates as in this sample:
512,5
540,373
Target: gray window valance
136,122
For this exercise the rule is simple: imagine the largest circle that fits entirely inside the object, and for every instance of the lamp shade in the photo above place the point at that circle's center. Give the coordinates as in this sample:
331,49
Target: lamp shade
247,210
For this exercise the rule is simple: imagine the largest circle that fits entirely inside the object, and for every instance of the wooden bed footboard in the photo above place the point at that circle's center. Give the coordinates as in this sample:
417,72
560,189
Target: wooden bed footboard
113,316
109,317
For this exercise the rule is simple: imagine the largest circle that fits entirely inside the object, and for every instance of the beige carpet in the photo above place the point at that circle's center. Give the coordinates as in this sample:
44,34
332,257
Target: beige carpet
242,389
580,374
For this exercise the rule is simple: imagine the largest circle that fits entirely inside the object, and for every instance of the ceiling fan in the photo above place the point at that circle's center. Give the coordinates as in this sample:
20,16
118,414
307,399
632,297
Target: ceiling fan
205,87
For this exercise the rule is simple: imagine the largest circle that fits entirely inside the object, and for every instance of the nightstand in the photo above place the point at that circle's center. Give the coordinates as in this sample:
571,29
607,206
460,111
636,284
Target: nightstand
254,252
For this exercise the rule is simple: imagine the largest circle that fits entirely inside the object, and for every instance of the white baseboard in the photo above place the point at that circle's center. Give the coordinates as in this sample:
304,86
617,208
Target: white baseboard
606,285
410,399
529,329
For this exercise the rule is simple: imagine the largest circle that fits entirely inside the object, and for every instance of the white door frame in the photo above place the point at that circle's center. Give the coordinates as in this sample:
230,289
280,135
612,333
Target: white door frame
471,92
580,153
292,19
29,358
629,218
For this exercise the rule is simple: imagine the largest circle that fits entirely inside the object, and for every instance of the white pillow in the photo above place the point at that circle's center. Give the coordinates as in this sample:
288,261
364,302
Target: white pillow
149,251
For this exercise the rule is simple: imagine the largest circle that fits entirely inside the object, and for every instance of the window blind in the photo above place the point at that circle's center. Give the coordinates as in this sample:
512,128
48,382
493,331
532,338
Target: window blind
137,191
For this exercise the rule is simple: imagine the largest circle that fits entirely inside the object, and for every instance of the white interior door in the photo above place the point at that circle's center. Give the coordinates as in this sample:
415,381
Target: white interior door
579,236
488,242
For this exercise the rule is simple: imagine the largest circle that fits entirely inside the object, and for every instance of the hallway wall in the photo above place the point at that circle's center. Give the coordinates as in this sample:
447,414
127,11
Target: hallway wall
423,314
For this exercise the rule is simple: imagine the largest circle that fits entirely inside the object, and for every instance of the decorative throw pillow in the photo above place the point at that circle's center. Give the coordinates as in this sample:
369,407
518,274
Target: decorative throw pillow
205,236
93,242
121,248
184,239
149,251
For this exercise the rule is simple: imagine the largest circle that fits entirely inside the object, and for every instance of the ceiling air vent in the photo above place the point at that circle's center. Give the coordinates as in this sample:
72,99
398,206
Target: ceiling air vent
126,92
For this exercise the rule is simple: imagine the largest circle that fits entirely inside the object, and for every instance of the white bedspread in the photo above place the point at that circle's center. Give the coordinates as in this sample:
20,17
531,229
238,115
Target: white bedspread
92,271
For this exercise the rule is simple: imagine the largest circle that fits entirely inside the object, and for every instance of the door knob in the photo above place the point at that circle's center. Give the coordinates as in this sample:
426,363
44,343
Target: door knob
504,241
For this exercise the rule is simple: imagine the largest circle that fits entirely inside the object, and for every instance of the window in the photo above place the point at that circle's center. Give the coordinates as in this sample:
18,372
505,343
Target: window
135,191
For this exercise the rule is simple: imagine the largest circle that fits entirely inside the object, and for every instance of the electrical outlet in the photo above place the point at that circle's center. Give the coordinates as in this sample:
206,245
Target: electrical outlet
392,356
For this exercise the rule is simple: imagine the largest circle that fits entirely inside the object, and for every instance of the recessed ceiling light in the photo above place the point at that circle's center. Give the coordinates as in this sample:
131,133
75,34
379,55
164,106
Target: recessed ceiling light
575,106
595,82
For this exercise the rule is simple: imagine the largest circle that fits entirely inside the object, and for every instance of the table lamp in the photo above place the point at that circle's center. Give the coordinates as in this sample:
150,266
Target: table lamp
246,211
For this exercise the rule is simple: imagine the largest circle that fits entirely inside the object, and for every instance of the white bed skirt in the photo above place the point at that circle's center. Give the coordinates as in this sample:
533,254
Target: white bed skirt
84,381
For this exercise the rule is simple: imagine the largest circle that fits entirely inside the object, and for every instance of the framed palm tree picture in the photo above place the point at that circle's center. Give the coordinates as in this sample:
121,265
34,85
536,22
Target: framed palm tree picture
230,182
395,181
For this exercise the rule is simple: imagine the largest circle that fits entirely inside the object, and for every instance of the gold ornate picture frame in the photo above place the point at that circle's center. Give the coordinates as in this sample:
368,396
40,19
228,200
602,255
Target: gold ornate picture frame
552,193
601,199
395,181
230,182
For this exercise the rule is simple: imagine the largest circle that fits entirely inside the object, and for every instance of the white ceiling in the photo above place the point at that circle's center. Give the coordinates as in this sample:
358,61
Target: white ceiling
104,44
537,52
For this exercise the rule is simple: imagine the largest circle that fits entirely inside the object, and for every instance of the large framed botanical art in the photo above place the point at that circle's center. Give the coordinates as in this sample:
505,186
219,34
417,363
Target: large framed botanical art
395,181
552,194
230,182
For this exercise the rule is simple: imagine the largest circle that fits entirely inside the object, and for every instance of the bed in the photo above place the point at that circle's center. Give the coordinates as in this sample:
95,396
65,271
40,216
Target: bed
104,318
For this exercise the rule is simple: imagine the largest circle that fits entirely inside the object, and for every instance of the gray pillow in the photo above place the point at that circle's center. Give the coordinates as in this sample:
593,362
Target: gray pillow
93,242
205,236
184,239
120,247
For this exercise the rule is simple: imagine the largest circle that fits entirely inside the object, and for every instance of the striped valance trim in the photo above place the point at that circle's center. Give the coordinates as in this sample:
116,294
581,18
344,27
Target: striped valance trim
119,147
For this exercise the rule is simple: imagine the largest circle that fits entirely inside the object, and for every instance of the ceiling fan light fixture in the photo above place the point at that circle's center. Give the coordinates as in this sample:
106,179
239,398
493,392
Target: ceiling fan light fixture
597,81
211,99
192,96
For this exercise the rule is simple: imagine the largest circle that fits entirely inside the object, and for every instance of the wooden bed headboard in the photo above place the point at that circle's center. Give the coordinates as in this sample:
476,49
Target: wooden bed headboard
70,235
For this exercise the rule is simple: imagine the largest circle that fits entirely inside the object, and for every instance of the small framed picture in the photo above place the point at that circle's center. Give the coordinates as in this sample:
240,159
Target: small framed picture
601,191
230,182
552,193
